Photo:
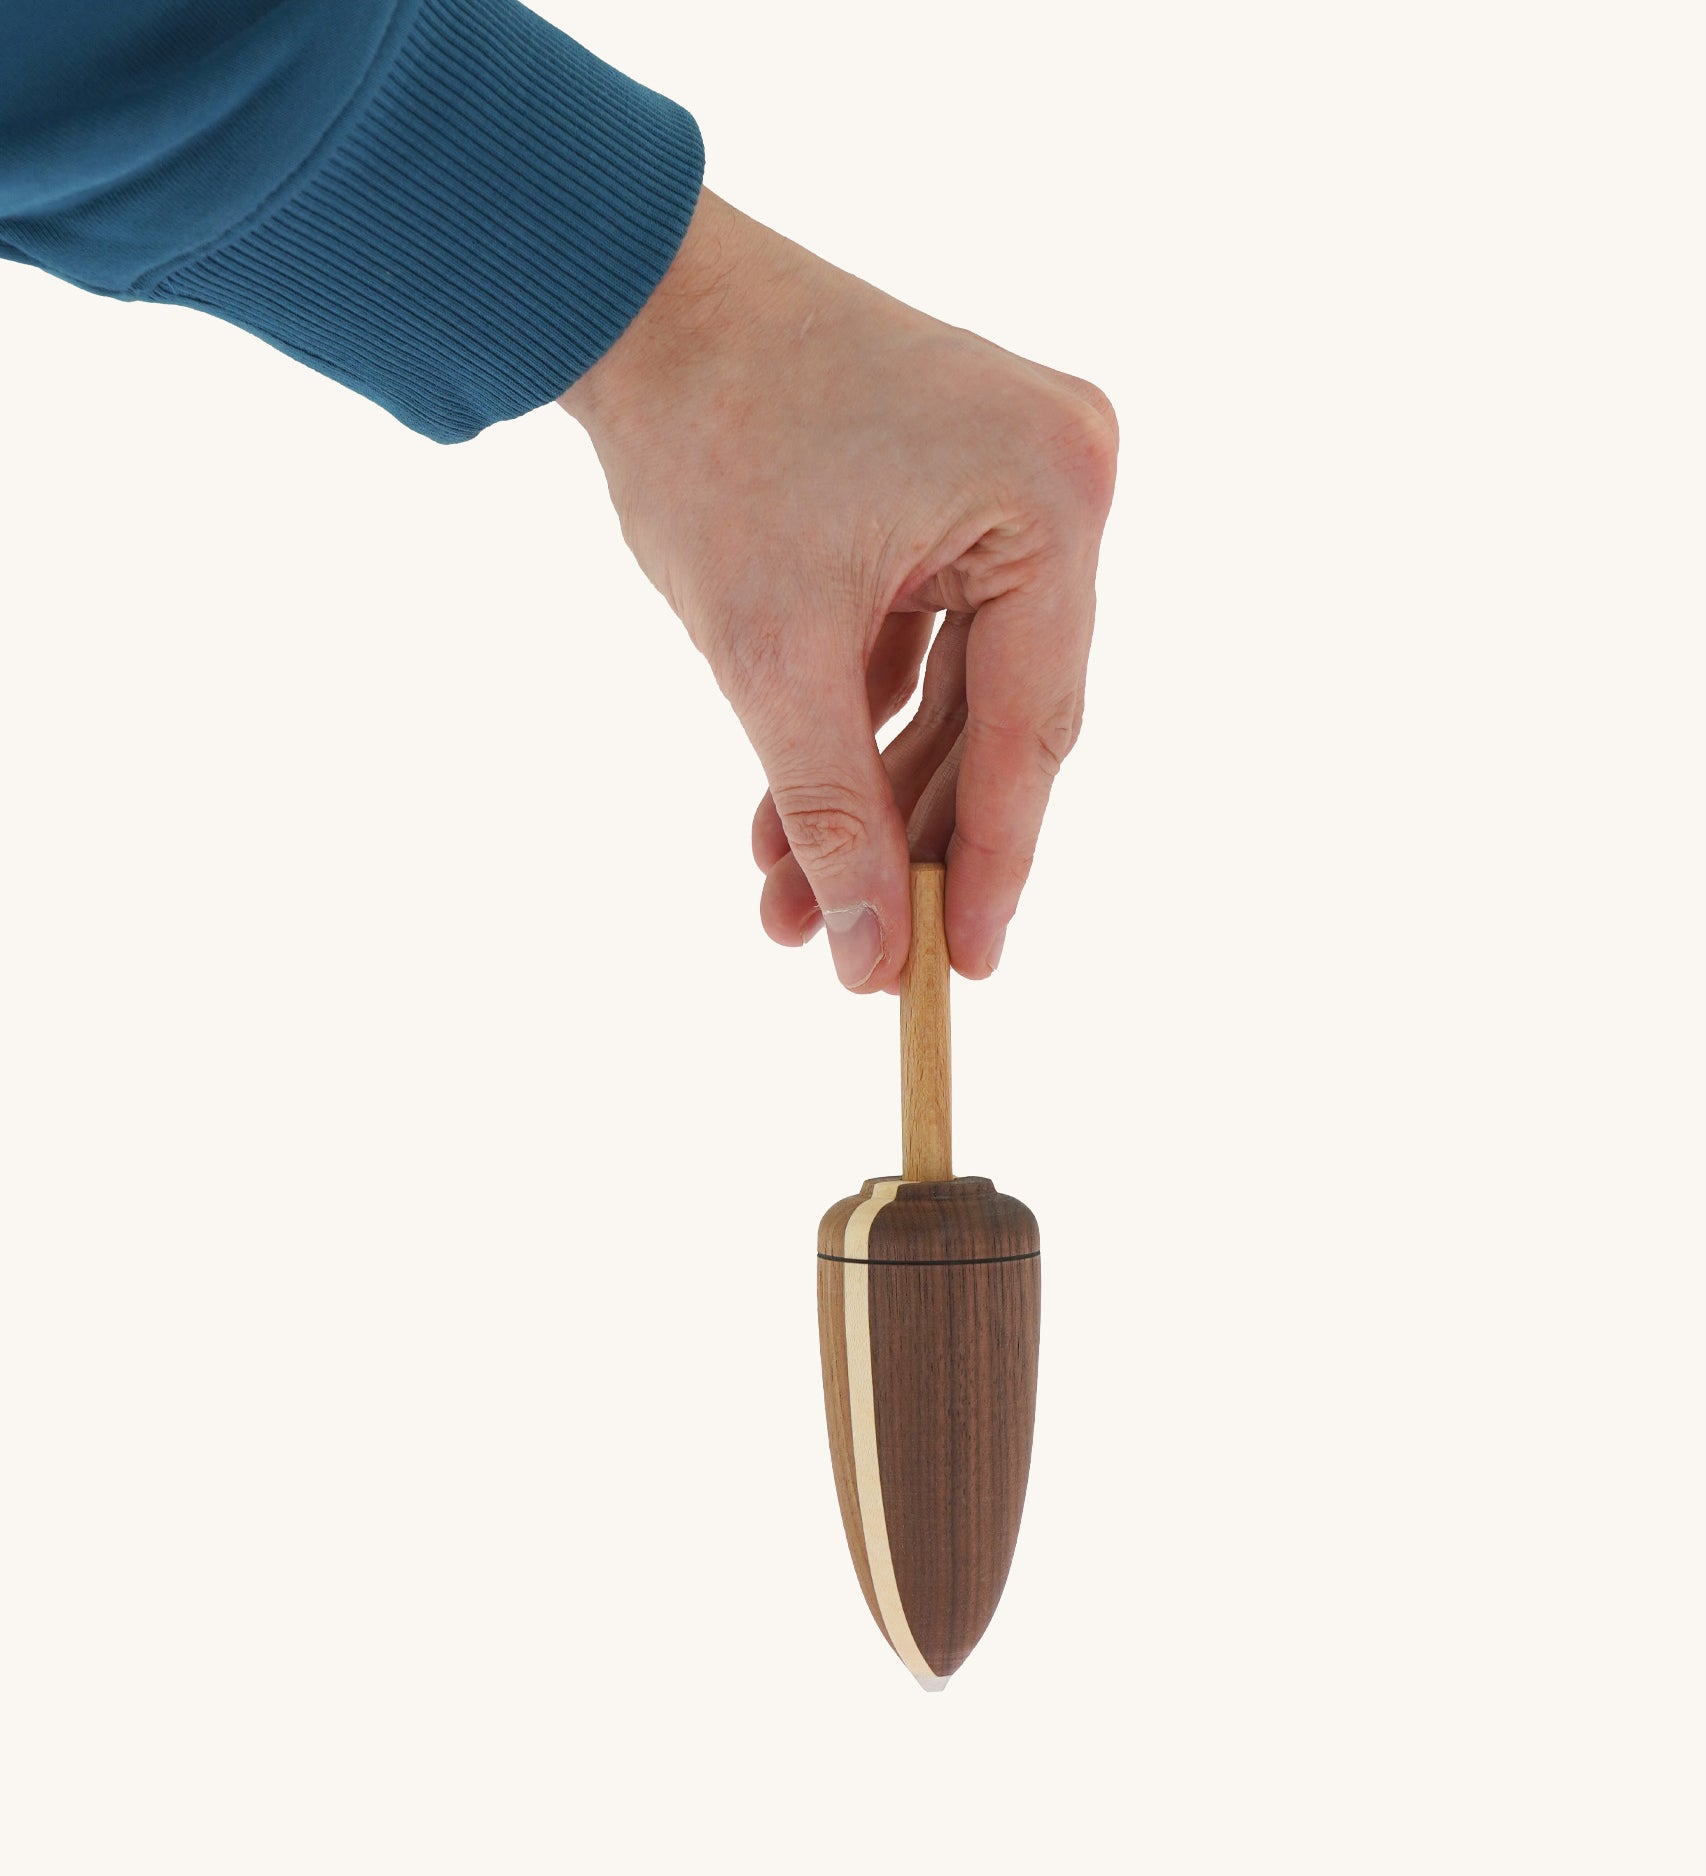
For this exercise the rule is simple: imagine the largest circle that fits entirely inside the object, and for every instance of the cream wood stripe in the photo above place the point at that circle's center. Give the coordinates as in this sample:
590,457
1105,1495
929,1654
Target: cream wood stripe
862,1409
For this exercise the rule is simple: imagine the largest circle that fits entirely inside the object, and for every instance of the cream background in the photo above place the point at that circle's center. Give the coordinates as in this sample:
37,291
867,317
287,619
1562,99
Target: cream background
411,1455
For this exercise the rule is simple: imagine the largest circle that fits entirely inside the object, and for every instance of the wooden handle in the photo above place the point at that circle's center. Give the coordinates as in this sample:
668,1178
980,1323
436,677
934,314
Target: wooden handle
926,1092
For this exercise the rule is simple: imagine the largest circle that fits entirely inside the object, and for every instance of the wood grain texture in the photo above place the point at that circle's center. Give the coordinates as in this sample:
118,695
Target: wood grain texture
939,1314
926,1081
832,1344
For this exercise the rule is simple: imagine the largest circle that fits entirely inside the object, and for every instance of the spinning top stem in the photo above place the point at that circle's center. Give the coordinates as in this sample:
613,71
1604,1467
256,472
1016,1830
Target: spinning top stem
926,1076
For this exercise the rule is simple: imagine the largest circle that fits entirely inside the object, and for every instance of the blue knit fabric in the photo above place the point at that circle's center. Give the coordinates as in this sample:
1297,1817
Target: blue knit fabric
447,205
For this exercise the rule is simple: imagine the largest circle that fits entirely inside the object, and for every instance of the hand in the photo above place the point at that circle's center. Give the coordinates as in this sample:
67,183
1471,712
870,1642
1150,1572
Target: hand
809,471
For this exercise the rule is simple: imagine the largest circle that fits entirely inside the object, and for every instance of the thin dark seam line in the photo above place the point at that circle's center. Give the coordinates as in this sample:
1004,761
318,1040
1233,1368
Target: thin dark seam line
1021,1257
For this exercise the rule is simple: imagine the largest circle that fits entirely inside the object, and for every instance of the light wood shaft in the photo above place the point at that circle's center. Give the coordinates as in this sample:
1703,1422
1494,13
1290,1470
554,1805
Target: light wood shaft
926,1090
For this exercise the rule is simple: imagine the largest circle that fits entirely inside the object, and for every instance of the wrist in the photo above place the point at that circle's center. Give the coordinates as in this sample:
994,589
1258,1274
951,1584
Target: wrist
680,328
729,313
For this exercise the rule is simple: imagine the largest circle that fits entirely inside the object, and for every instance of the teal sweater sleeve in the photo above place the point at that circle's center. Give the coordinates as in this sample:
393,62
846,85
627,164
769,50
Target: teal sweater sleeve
447,205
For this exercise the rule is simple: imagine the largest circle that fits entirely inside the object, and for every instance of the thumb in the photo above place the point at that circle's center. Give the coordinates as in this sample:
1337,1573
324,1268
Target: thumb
838,812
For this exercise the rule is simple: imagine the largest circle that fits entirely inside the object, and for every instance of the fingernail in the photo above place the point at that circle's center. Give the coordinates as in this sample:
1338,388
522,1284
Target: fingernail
996,948
855,942
808,930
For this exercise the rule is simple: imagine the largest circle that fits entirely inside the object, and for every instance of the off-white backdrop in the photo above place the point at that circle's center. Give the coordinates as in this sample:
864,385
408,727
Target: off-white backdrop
410,1149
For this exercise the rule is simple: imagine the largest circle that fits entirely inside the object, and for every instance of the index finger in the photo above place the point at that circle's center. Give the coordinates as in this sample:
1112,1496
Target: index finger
1025,666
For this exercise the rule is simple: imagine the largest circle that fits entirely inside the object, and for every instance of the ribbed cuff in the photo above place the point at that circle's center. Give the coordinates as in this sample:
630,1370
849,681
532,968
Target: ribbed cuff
494,208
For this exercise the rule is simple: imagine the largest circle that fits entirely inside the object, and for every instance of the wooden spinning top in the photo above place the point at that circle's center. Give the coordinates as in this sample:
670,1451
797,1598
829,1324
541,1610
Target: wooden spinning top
928,1296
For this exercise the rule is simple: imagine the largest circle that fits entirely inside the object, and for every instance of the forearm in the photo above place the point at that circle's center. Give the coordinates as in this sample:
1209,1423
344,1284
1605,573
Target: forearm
448,205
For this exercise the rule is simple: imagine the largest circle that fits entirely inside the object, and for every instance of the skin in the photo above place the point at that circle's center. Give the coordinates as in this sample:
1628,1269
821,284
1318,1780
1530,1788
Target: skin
809,472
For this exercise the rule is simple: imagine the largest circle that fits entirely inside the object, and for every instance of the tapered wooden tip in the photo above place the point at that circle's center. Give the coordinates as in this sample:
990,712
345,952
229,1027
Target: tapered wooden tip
929,1298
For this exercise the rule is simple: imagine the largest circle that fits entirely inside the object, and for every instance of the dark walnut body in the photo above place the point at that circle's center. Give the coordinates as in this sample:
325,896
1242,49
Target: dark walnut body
928,1312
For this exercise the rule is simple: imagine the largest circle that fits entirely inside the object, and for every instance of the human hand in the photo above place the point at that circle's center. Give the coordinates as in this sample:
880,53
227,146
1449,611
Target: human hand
809,471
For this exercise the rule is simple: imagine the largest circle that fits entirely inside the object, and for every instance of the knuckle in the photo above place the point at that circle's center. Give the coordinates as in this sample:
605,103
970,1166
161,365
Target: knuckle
1013,862
1050,737
891,700
824,822
1101,404
1055,740
1092,462
1087,443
